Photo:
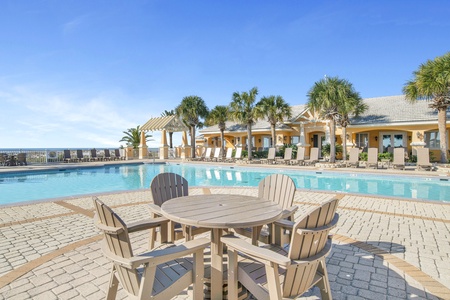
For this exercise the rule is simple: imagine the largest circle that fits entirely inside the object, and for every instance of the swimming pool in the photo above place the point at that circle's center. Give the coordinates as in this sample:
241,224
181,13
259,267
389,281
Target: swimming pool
36,185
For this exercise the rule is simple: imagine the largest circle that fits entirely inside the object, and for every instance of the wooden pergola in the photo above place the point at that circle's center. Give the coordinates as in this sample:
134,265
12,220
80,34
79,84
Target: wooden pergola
164,124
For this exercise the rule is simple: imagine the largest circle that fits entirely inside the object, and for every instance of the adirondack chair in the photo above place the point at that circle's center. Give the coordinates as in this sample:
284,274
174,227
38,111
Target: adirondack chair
273,272
353,160
166,186
159,274
270,157
280,189
300,159
287,155
372,158
423,159
399,158
313,156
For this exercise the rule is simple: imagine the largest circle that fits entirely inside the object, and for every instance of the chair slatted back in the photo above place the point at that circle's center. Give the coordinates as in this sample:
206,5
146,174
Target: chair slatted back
299,277
301,153
288,153
166,186
208,153
278,188
93,153
118,242
423,156
314,154
319,216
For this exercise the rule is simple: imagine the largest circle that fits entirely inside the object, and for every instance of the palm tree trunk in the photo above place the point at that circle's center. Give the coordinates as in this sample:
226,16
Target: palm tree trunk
344,142
332,141
249,141
170,140
442,122
272,127
222,137
193,141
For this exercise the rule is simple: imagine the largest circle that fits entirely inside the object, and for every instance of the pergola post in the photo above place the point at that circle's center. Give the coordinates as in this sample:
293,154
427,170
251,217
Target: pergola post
164,149
143,149
185,148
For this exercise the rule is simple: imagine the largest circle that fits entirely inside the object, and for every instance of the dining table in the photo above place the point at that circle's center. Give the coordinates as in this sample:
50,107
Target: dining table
221,212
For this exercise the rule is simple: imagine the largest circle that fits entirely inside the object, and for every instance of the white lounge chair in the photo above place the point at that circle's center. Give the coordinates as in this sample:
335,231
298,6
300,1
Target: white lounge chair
353,160
372,158
423,159
399,158
313,156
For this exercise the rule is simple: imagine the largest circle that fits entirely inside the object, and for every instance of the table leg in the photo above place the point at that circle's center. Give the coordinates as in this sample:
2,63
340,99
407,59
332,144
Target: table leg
255,234
216,264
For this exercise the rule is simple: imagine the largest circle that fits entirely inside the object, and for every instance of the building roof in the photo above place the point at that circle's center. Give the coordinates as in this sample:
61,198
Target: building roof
395,109
169,123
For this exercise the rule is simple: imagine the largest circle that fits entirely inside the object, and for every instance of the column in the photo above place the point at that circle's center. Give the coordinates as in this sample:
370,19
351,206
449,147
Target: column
185,148
164,148
143,149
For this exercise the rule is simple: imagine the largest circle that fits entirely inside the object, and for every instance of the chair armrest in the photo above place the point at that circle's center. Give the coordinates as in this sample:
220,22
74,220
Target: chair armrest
157,257
285,224
155,209
288,212
147,224
266,255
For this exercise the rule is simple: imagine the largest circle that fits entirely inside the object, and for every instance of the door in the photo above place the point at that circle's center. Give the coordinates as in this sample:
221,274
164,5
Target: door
391,140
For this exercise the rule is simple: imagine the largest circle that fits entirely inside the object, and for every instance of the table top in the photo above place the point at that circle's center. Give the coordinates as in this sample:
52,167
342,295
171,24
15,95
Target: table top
221,211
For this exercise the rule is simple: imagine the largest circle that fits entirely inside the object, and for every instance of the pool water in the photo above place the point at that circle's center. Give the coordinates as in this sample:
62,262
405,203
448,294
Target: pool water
36,185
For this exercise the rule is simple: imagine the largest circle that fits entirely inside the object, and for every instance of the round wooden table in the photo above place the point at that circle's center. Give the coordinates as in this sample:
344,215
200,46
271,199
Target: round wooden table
218,212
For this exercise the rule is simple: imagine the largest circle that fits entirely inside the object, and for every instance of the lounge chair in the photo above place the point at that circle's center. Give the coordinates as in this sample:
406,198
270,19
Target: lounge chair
117,155
423,159
228,157
159,274
353,160
94,155
372,158
80,156
166,186
276,272
107,155
300,159
287,155
270,157
67,156
207,156
238,154
399,158
280,189
217,153
313,156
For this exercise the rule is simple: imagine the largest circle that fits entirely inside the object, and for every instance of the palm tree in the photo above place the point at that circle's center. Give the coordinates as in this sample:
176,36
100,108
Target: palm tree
275,109
353,106
432,82
167,113
191,110
326,97
243,110
219,116
133,137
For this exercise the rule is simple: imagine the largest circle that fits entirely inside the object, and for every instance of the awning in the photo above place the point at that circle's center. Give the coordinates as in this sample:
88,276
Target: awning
168,123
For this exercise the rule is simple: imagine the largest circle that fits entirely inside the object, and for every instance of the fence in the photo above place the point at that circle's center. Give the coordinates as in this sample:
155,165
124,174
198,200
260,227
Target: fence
57,156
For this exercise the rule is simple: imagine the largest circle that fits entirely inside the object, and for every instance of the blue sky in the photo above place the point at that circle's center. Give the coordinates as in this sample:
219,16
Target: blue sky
78,73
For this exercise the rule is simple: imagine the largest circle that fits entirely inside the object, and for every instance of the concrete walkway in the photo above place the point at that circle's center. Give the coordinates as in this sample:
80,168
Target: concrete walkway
382,248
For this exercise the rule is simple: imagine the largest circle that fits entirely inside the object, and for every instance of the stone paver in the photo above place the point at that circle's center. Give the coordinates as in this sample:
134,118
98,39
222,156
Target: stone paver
416,234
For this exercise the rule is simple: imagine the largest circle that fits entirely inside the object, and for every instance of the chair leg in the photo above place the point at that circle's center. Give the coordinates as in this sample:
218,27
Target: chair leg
232,275
199,273
113,285
324,284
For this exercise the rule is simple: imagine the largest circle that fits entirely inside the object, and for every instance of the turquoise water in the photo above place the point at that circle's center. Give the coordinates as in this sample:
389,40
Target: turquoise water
19,187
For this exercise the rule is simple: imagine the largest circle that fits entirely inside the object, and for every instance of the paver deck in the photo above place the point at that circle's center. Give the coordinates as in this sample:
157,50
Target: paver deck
383,248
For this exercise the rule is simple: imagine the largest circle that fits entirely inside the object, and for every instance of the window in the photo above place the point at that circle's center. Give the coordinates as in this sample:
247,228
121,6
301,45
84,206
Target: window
362,140
295,140
432,140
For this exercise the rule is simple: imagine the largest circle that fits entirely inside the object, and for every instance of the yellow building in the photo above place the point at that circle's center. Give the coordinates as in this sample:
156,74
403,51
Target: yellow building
389,122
